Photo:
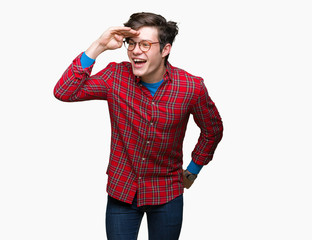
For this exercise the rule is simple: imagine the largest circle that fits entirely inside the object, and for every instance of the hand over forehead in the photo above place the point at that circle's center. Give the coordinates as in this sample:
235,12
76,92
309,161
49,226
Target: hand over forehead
125,31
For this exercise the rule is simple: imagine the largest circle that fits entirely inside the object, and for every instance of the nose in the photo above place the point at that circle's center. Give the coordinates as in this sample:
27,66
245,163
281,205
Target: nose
137,50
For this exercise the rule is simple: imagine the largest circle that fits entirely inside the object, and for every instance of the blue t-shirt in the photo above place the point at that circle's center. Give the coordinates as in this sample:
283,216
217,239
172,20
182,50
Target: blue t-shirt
152,87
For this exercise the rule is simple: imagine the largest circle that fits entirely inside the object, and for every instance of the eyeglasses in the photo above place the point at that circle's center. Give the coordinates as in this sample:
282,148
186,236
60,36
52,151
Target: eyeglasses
144,45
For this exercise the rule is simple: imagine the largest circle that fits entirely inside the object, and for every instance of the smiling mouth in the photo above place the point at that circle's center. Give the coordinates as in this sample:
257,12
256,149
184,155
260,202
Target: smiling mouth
139,62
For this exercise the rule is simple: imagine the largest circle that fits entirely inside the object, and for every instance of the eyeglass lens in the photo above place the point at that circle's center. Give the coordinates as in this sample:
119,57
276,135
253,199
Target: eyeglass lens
143,45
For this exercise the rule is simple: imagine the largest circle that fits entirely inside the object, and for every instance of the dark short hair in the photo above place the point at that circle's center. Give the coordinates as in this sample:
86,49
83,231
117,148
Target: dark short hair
167,31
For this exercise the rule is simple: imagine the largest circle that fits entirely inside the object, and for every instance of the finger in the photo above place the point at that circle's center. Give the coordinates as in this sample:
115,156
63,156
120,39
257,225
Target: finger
126,32
118,37
131,33
119,28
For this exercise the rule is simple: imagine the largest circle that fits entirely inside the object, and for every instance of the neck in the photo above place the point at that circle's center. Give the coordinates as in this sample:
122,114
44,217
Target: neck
156,77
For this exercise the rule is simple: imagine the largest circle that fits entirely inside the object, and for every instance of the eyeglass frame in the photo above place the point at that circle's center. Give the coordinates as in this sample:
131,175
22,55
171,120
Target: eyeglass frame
135,43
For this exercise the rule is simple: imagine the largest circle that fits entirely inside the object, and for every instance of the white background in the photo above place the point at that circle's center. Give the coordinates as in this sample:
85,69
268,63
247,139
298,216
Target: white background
255,57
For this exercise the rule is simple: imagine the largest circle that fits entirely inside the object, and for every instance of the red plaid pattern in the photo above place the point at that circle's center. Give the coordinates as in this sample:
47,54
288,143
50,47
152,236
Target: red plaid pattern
147,132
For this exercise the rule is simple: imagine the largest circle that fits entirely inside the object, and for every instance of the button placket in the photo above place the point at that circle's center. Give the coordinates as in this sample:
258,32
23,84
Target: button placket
151,124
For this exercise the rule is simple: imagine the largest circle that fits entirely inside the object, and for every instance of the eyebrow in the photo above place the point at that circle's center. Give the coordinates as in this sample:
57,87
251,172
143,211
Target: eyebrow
142,40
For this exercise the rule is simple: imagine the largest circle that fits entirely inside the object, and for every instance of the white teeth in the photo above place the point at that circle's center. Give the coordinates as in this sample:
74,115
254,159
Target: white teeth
138,60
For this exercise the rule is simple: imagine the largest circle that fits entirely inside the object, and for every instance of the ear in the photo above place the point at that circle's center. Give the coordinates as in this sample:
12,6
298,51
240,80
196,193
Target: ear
166,50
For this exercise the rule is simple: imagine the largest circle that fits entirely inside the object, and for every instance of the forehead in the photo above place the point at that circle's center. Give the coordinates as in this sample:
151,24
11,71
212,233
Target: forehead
147,33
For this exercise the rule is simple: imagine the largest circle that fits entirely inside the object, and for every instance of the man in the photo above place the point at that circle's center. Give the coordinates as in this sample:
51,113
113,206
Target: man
150,102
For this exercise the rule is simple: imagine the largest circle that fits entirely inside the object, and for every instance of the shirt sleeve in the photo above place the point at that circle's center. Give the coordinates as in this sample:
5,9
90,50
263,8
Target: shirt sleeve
194,168
207,118
86,61
76,84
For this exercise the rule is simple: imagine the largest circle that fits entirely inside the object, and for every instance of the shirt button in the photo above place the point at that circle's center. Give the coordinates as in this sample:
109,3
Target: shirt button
153,103
140,178
143,159
148,142
151,124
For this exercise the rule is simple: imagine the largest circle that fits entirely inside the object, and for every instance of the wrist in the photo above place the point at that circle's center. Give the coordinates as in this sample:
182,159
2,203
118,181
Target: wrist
190,176
95,50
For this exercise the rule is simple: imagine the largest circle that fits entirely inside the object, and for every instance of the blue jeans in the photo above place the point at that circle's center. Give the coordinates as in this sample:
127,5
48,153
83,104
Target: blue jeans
123,220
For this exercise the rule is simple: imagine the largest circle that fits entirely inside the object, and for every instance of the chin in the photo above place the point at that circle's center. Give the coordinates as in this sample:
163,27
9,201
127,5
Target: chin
138,73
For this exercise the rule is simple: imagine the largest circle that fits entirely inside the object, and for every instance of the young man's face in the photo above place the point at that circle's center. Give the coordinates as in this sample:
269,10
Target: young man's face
148,65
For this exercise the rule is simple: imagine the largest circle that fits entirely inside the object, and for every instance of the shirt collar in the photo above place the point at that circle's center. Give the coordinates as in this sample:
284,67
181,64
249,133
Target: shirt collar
168,74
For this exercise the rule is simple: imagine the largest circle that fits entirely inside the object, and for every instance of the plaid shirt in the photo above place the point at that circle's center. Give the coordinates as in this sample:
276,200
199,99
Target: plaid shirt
147,132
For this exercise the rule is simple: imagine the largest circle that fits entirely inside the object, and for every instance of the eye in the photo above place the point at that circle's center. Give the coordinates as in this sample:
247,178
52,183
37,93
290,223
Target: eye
145,44
131,43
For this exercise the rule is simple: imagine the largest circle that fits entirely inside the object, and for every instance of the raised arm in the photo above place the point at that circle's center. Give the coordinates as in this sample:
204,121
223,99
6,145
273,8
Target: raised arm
111,39
76,83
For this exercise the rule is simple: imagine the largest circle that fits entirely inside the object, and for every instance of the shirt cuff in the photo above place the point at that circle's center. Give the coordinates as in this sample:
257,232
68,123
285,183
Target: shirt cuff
194,168
86,61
